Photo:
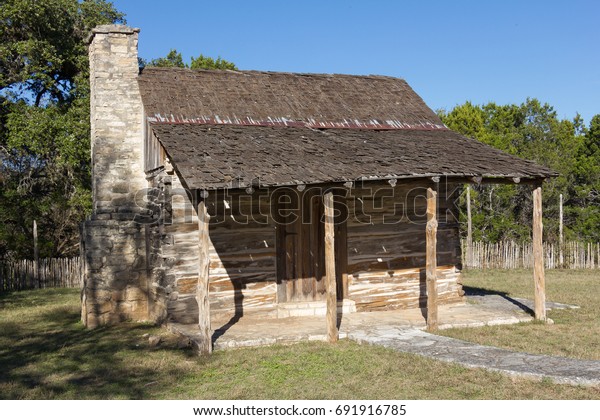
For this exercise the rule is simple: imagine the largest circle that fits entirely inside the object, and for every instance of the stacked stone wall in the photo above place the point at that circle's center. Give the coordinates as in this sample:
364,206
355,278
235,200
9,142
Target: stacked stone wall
117,129
117,277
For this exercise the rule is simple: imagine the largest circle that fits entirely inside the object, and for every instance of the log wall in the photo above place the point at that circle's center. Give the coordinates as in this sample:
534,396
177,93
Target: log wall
386,251
386,246
242,254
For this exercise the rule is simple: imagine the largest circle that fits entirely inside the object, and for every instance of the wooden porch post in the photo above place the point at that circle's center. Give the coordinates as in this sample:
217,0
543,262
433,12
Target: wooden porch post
469,258
431,261
330,281
205,346
538,257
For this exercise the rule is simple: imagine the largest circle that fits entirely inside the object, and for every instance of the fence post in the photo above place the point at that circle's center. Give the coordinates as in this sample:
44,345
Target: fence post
36,255
561,261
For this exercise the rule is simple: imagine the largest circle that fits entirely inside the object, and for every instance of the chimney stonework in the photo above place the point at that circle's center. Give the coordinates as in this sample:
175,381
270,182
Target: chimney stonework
116,245
116,119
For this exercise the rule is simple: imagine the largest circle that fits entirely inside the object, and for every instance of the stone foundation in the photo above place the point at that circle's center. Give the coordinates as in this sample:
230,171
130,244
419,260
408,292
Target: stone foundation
316,308
121,281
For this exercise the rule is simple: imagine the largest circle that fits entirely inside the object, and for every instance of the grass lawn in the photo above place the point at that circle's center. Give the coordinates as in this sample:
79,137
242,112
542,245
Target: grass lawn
575,333
46,353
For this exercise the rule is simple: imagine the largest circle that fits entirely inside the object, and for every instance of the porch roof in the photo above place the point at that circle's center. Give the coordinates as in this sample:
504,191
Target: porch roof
229,156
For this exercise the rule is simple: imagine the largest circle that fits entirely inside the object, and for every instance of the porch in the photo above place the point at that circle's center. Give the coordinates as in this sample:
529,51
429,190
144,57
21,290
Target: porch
250,331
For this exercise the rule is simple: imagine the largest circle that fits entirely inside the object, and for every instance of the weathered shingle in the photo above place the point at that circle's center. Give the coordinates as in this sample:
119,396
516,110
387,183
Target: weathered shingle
282,99
217,156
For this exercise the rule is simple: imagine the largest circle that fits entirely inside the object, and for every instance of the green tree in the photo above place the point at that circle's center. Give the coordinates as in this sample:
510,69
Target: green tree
586,188
174,59
202,62
44,121
532,131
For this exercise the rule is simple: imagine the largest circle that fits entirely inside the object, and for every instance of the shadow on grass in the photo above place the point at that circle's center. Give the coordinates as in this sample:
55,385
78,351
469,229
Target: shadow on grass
481,291
51,355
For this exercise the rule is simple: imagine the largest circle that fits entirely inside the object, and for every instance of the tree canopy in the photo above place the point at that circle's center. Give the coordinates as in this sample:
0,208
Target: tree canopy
43,53
174,59
533,131
44,121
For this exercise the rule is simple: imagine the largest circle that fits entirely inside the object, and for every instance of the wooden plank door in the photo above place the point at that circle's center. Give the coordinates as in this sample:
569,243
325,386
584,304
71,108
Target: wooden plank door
301,246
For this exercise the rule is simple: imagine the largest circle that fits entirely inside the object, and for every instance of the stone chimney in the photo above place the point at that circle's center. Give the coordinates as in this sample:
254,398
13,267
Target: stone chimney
116,121
116,247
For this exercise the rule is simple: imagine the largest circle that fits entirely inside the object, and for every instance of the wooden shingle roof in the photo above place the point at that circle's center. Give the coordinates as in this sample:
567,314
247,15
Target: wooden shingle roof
238,128
219,156
283,99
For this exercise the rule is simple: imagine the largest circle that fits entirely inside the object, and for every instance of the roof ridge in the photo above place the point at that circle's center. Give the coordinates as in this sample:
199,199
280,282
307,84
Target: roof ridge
270,72
347,124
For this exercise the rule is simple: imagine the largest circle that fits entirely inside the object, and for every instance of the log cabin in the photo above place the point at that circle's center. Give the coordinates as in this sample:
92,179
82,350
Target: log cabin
220,194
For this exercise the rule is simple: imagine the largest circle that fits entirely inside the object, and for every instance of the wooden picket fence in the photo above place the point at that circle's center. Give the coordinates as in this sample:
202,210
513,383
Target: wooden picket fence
68,272
50,272
510,255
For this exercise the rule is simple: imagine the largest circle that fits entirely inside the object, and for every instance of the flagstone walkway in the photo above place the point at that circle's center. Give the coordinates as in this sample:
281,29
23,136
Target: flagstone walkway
558,369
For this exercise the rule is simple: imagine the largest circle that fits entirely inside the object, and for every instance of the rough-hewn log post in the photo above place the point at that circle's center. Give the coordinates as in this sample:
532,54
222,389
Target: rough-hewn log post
469,261
205,345
330,284
431,261
538,257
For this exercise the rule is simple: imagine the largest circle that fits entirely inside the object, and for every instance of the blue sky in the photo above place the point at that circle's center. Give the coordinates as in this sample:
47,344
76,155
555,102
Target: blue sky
448,51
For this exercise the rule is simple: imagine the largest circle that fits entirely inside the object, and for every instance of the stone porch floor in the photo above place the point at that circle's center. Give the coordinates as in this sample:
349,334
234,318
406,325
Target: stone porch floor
247,331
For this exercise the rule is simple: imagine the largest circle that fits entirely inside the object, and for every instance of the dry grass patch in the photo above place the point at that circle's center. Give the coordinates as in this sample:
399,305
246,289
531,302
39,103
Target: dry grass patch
575,333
